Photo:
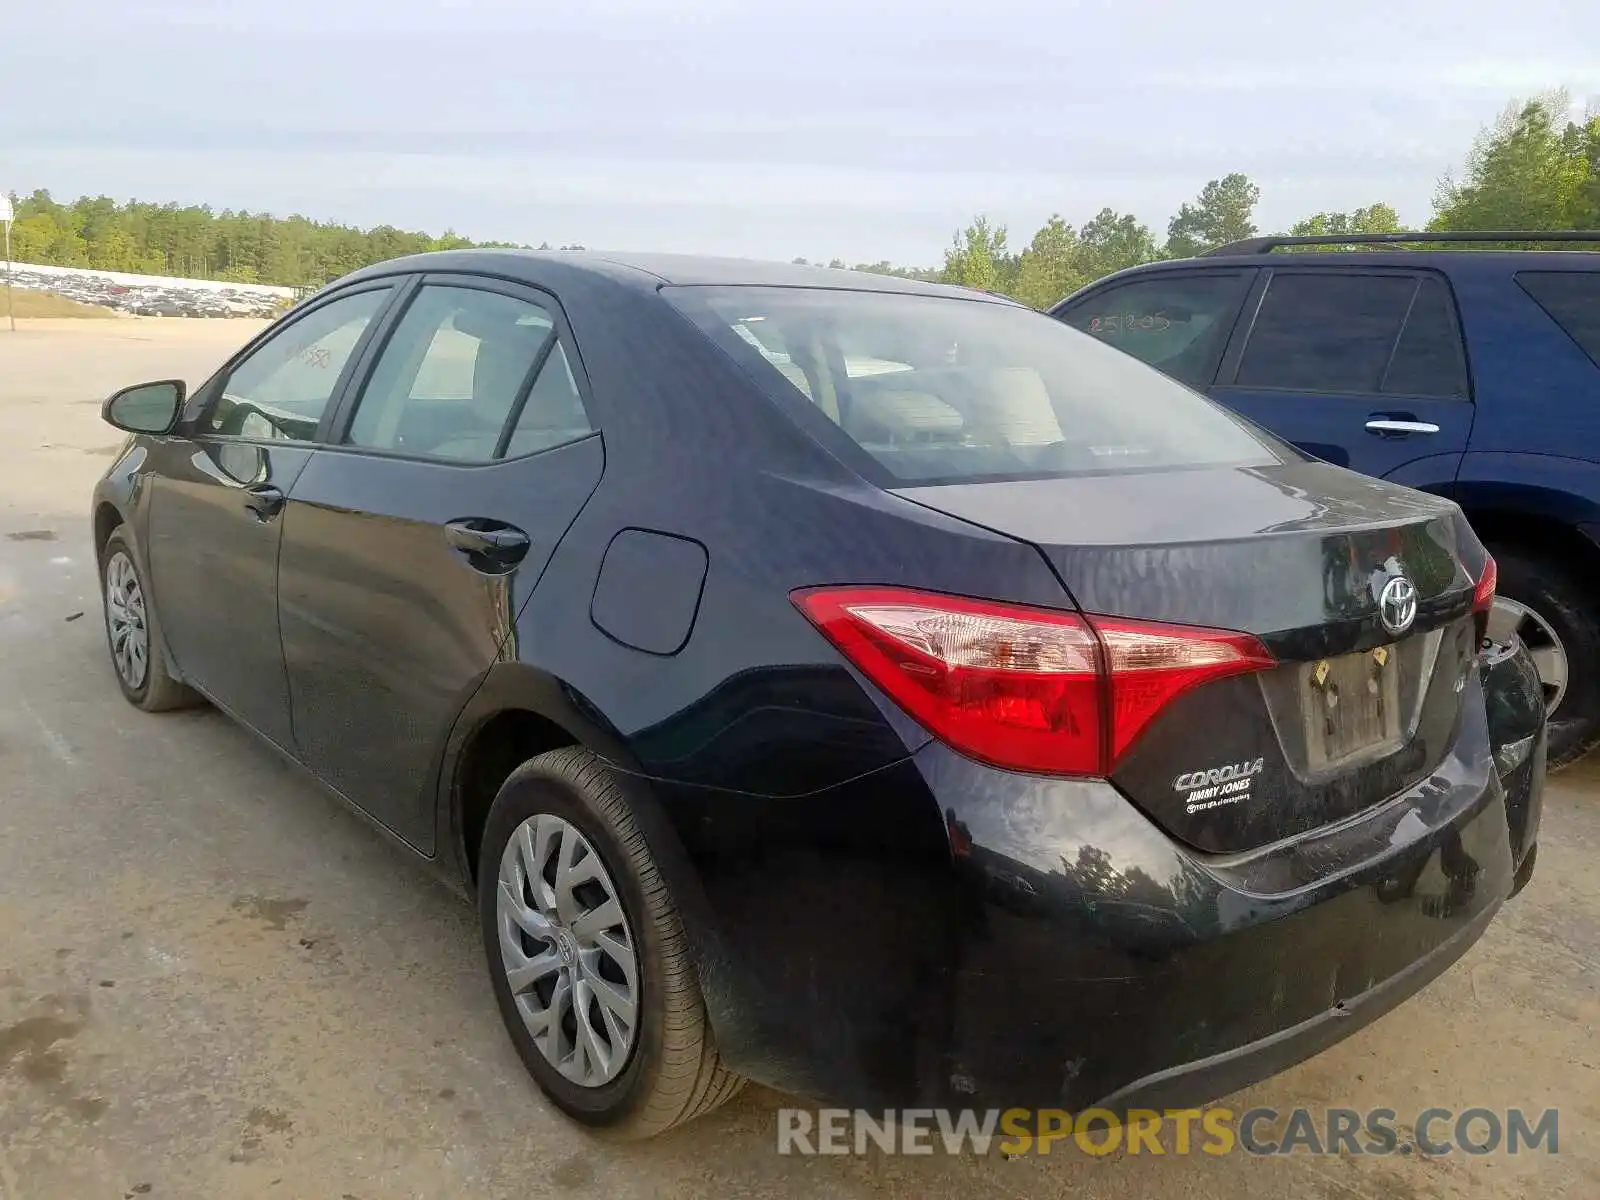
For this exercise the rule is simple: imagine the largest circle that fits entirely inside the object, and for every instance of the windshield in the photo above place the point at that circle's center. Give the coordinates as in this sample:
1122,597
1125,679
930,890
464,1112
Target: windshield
939,388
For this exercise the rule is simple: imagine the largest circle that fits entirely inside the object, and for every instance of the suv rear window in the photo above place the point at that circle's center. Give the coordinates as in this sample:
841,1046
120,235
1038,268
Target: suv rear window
938,388
1572,298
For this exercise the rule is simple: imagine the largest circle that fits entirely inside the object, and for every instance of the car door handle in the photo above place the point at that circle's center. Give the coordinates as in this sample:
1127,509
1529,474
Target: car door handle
1392,427
487,544
264,500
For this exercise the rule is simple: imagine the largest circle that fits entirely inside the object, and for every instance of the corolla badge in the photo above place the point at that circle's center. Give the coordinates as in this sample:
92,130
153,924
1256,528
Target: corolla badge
1190,780
1397,604
1218,786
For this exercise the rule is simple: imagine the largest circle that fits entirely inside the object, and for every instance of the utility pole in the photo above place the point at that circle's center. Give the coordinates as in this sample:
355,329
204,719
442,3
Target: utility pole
5,218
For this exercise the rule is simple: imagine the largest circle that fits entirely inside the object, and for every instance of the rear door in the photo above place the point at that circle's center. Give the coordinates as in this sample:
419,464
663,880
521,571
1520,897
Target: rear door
1364,369
413,539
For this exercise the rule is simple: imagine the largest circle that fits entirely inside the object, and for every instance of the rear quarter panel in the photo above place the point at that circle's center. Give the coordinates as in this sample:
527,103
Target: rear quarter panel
1537,393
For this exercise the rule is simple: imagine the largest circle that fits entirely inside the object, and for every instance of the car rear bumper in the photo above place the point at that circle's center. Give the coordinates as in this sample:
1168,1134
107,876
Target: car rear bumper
1058,949
1112,966
1227,1071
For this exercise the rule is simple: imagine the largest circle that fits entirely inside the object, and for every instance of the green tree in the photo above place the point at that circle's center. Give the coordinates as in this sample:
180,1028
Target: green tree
1222,213
36,238
1112,241
1051,266
114,249
195,241
973,258
1374,218
1531,169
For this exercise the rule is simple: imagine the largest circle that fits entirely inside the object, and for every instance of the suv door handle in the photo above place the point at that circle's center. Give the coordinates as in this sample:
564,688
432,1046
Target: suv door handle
488,545
1392,427
264,500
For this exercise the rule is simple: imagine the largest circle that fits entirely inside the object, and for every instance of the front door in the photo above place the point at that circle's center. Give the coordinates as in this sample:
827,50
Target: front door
412,540
220,490
1363,369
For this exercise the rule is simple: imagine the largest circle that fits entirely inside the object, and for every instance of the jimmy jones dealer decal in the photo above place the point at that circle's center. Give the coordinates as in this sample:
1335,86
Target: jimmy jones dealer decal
1218,786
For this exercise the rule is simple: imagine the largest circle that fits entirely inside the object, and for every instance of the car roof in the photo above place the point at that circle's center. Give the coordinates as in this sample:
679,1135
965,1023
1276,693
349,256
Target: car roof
650,271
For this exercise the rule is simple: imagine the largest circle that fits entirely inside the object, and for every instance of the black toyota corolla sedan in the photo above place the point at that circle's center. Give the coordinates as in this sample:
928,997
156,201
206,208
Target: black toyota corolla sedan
875,689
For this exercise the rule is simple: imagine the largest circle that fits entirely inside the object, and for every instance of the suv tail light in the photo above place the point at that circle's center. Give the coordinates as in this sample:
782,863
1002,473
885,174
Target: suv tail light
1028,689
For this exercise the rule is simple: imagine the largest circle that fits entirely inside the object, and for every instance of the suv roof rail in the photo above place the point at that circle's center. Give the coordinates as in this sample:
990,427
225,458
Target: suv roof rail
1269,243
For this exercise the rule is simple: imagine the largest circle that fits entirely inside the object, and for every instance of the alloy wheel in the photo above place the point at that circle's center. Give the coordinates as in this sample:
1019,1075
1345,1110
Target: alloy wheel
1510,619
567,952
125,621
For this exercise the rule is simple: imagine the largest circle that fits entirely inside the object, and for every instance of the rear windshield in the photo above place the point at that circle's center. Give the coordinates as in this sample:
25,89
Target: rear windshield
938,388
1572,298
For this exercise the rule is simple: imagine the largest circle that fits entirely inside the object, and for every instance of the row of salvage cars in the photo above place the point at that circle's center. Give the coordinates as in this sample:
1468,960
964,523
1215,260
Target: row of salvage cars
152,297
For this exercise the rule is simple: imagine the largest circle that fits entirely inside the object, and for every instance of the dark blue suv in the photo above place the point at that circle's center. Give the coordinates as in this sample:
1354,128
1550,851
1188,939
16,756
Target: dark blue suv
1473,374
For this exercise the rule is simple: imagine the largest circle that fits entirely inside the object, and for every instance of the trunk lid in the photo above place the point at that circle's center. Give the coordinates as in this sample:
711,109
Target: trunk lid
1298,555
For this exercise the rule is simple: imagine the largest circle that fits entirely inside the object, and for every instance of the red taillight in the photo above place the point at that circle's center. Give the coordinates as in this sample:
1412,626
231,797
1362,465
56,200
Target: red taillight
1483,594
1029,689
1151,664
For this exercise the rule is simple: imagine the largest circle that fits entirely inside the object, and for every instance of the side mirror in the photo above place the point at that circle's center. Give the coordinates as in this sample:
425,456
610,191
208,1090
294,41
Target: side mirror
146,407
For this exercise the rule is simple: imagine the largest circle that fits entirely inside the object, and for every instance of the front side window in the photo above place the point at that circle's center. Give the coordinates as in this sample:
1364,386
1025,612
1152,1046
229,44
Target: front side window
459,368
1326,332
1572,299
282,387
1176,323
939,388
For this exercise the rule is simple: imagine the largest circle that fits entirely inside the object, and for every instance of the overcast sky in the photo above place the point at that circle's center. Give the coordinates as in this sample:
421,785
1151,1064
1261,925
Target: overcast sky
768,128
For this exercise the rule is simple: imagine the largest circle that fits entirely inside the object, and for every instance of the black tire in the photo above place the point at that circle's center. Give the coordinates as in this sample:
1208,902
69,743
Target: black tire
158,690
1572,612
674,1073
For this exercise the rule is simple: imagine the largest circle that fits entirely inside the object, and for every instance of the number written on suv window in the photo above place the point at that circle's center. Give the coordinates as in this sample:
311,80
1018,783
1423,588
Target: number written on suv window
1178,323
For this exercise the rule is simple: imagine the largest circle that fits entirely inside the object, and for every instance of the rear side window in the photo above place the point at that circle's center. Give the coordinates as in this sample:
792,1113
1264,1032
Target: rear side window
1392,335
1572,298
1429,359
1325,332
1177,323
936,388
461,364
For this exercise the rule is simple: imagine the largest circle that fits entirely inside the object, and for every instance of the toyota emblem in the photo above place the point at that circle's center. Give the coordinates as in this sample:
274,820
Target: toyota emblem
1397,604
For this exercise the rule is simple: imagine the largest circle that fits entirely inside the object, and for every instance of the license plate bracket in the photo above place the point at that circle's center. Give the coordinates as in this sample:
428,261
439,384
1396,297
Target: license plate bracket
1351,706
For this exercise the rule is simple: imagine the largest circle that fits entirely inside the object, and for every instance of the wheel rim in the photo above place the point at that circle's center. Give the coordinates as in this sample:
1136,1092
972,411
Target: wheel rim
1509,619
125,621
567,951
